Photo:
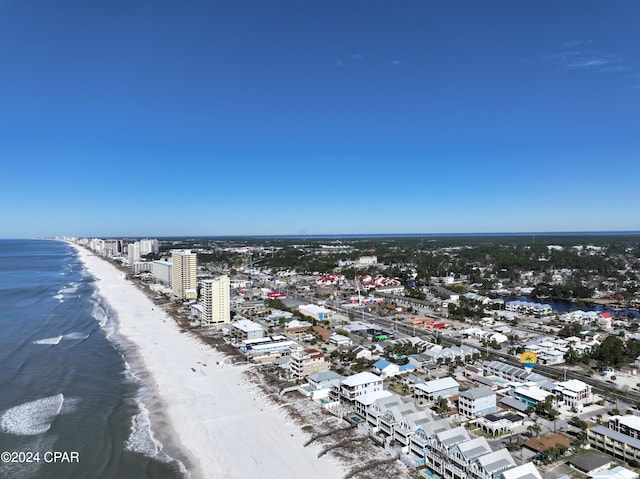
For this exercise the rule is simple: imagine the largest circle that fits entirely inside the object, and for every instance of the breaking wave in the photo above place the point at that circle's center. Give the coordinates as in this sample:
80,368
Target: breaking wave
64,337
54,340
33,417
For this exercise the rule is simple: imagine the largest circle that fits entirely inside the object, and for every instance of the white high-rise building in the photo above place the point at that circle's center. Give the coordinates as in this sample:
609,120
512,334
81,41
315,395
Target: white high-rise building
149,246
133,252
216,300
183,273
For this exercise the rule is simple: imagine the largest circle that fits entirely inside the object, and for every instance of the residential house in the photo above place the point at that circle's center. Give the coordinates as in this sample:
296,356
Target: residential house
530,394
574,394
525,471
496,424
477,402
435,389
309,361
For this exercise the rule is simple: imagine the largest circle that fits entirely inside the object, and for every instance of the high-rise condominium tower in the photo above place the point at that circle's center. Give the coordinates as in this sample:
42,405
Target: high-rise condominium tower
215,297
183,272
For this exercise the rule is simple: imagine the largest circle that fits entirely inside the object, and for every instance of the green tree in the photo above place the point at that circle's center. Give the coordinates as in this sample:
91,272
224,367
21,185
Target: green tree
442,406
534,429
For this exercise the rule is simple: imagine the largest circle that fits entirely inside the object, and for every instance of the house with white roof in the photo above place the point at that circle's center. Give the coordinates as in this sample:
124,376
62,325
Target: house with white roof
525,471
362,403
440,445
628,425
491,464
356,386
433,390
243,329
617,472
530,394
574,394
409,425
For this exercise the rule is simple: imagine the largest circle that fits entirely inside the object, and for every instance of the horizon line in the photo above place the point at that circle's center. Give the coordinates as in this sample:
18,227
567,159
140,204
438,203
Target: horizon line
361,235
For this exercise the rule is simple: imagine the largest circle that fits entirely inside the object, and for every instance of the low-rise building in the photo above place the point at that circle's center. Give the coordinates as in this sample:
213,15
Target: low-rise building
496,424
530,394
574,394
355,386
433,390
477,402
243,329
268,348
629,425
307,362
319,313
525,471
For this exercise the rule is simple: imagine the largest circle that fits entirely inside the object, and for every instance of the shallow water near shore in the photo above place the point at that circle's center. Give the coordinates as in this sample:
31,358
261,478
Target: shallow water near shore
64,383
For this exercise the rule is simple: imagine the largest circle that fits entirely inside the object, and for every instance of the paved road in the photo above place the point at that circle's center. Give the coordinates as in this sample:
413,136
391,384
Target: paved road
626,399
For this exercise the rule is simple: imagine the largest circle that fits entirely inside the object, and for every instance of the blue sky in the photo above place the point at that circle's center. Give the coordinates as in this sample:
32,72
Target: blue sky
214,118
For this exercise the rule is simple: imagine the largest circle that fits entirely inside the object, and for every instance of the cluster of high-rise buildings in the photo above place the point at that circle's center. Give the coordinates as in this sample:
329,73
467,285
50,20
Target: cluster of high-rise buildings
179,273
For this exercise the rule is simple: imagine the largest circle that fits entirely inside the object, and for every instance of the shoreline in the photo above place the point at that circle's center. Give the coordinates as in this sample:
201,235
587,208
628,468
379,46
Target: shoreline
212,419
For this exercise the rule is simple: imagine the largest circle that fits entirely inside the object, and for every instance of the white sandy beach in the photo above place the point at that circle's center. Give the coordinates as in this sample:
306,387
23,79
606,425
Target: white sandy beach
223,425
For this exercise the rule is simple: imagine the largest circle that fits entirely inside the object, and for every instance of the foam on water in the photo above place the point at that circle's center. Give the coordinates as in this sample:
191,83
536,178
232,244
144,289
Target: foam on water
54,340
71,288
59,297
141,438
75,335
33,417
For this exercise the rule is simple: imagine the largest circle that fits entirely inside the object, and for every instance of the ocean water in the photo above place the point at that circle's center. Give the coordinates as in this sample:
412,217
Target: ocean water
65,385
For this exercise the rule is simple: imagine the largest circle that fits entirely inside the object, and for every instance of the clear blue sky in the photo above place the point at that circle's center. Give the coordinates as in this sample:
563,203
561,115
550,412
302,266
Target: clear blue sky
301,117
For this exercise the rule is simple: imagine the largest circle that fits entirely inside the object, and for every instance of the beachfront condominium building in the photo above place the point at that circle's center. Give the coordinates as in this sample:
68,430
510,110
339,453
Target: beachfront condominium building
183,272
216,300
149,246
133,252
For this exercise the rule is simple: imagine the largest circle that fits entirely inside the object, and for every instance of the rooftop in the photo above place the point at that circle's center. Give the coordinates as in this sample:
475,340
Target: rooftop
477,393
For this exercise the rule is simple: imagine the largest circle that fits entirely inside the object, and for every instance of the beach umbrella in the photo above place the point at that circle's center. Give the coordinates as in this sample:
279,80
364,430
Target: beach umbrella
528,360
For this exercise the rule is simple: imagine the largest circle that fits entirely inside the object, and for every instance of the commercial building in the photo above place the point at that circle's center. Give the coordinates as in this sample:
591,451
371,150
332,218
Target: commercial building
215,296
183,273
319,313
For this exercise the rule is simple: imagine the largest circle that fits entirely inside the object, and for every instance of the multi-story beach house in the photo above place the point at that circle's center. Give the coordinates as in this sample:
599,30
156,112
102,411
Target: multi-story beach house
358,391
477,402
307,362
435,389
573,394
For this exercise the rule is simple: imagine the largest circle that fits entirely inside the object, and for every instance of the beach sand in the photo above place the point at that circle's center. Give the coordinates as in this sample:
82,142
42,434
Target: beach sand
223,425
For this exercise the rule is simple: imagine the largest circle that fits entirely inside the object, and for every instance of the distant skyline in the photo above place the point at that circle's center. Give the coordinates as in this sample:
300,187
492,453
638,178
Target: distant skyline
318,118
